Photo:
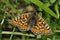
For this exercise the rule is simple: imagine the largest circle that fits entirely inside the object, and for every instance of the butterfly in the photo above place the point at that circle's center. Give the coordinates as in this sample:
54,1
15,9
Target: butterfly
30,21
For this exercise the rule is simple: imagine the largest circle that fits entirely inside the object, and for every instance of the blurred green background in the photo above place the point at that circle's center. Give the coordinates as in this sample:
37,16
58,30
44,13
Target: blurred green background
48,9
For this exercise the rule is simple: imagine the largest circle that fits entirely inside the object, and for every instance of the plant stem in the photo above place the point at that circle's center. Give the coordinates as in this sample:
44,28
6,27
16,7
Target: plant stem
12,34
0,32
1,28
17,33
23,37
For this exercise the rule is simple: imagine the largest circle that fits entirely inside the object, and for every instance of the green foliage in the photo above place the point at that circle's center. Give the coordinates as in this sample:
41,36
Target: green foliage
48,9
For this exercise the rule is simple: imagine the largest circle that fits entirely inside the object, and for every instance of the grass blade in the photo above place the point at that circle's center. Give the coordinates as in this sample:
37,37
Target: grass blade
12,34
17,33
44,7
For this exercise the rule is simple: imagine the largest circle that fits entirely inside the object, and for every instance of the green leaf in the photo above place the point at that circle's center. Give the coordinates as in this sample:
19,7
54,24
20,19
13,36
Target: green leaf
52,1
58,2
27,1
9,5
44,7
57,10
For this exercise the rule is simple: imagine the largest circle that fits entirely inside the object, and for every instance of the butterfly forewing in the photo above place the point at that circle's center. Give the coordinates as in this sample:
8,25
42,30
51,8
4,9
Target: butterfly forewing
41,27
21,22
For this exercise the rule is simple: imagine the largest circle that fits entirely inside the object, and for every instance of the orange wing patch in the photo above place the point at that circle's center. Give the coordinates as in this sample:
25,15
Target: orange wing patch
21,21
41,27
35,30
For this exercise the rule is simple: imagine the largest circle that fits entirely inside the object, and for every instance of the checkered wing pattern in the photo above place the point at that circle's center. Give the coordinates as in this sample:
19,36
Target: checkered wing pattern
21,21
41,27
